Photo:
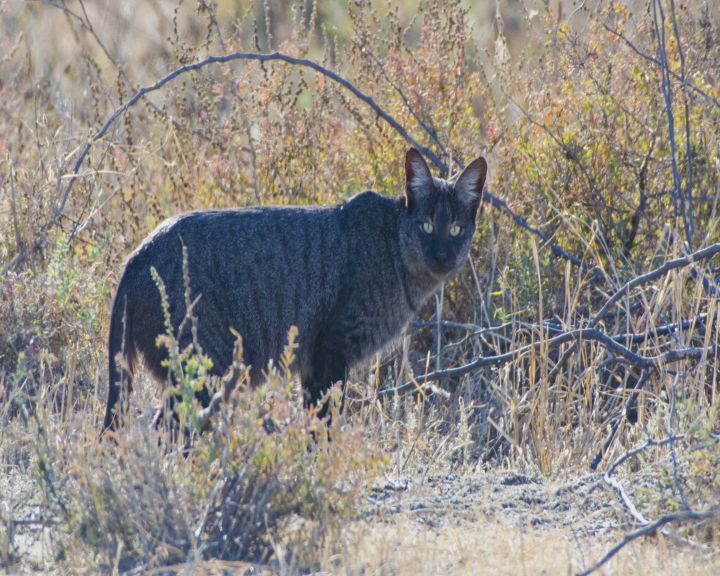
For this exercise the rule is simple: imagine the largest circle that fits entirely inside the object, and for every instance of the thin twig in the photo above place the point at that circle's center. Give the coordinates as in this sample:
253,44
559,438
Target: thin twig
625,500
424,125
569,152
663,330
673,455
626,337
666,89
649,443
19,244
654,60
86,24
688,144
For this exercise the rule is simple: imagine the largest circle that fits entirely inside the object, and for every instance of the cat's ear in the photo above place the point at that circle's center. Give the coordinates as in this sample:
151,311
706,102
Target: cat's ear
469,185
418,180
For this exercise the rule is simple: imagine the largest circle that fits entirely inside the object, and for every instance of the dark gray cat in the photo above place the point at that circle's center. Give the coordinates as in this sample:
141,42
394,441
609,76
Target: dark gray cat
348,276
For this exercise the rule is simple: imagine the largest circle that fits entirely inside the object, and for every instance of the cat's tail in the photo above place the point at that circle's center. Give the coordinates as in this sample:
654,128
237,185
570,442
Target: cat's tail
121,359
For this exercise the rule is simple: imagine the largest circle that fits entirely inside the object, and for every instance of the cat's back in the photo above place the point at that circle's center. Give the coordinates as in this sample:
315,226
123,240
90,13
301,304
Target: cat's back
259,270
370,208
285,263
206,227
254,237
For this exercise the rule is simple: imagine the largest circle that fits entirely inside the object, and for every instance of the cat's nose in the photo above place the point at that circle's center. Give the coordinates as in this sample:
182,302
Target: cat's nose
441,255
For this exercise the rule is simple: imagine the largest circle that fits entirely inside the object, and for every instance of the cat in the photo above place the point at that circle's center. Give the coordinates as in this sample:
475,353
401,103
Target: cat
349,277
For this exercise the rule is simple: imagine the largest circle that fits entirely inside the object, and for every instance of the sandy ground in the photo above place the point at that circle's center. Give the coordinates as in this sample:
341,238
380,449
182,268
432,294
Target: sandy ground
505,524
485,523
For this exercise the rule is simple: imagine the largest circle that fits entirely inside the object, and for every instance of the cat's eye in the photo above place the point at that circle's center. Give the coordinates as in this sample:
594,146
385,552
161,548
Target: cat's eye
455,230
428,227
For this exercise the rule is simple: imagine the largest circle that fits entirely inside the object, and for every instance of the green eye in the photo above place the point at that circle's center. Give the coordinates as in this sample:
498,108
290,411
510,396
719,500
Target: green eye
455,230
428,227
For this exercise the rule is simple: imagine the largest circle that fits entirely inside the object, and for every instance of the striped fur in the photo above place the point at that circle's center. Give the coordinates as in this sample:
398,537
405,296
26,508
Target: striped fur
348,276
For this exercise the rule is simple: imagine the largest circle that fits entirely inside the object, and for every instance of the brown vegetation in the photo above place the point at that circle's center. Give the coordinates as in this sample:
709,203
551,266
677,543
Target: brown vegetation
601,126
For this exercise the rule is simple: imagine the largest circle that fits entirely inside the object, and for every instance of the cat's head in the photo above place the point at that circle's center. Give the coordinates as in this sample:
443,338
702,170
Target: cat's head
439,220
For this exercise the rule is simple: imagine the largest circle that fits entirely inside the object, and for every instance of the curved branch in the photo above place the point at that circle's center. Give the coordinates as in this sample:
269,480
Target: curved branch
626,337
646,527
265,57
262,57
701,254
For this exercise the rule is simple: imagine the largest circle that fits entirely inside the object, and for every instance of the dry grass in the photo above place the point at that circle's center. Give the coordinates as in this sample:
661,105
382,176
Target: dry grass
486,546
576,129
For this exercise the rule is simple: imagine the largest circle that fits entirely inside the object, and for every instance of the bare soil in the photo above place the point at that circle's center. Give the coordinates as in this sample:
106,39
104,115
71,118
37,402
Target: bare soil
506,523
480,523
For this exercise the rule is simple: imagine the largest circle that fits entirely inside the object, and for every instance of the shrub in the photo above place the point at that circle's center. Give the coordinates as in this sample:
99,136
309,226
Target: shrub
263,482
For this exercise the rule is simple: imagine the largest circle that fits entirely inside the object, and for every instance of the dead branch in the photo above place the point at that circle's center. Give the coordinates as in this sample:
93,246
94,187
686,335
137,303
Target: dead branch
585,333
638,449
702,254
663,330
685,209
579,335
650,529
646,528
690,223
626,337
625,500
707,252
429,130
617,487
631,402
